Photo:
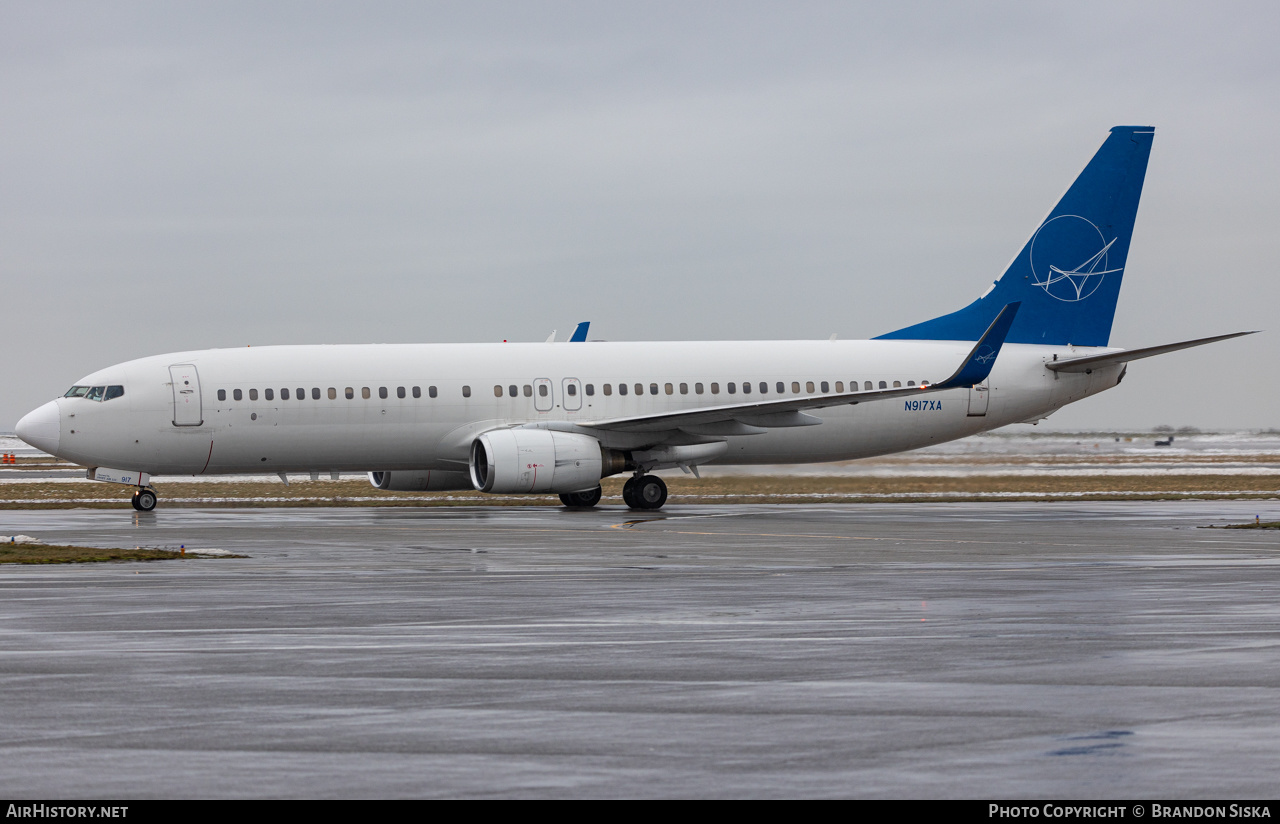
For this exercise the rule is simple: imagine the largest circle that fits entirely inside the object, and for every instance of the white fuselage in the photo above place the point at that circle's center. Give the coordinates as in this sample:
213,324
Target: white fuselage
214,432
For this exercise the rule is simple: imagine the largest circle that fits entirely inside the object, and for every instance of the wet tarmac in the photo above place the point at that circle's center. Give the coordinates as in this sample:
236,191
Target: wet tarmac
1064,650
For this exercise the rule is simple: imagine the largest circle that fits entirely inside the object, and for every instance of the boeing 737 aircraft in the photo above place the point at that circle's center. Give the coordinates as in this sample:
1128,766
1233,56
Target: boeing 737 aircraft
552,418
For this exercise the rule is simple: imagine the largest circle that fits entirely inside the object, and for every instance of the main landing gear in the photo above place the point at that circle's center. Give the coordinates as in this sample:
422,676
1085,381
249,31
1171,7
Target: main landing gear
639,492
645,492
144,499
582,500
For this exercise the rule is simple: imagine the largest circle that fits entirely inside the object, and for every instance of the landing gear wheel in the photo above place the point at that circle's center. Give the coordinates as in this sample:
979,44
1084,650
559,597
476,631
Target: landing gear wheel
144,500
629,493
582,500
649,493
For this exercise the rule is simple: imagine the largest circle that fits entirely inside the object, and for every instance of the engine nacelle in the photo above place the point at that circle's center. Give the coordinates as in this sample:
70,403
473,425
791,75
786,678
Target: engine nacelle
540,460
420,480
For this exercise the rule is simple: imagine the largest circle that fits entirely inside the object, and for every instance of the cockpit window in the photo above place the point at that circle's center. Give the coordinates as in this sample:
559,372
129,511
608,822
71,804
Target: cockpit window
95,393
113,392
76,392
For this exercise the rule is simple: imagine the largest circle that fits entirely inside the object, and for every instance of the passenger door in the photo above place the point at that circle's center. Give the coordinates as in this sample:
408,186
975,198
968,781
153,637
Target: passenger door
572,398
187,409
979,397
543,396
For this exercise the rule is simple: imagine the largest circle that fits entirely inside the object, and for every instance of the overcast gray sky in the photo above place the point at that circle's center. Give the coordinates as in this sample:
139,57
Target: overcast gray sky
189,175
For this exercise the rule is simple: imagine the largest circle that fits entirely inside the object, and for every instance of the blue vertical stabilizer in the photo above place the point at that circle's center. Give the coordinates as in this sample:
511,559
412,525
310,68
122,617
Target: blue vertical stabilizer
1067,277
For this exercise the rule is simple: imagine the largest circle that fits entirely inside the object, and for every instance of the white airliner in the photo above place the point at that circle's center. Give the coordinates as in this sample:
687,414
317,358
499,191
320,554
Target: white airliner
556,418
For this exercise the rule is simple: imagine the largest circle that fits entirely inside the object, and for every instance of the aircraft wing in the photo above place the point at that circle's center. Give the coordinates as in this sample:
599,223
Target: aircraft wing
757,416
1091,362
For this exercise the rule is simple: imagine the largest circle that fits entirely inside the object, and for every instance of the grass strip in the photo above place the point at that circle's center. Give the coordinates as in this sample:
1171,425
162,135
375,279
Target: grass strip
54,554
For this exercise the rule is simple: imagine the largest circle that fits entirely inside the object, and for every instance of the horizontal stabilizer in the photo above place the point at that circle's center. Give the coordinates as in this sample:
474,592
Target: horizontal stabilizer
1088,364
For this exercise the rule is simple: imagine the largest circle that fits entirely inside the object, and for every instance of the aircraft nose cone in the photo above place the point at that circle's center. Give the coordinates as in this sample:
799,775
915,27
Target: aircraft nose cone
42,428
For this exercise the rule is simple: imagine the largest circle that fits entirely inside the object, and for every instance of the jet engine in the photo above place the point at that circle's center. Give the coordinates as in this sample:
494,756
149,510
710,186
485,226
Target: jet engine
420,480
540,460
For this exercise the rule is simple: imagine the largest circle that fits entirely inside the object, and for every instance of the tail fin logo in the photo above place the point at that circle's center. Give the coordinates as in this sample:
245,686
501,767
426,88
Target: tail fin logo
1069,258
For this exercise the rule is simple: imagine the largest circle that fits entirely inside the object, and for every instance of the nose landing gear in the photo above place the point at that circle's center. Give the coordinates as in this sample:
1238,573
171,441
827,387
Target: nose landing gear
144,499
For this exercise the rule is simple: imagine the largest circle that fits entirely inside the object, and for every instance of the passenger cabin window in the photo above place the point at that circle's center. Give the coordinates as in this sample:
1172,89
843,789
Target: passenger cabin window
365,393
622,389
333,394
302,393
400,392
236,394
732,387
897,384
795,387
839,386
527,390
284,394
808,387
513,390
253,394
222,394
764,388
571,390
608,389
382,392
542,390
417,391
697,389
315,393
591,389
640,389
867,385
715,389
269,394
826,387
113,392
653,389
884,385
497,391
781,387
911,383
466,391
684,389
746,387
349,393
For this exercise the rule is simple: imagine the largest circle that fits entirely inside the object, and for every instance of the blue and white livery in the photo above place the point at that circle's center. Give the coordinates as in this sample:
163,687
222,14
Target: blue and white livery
550,418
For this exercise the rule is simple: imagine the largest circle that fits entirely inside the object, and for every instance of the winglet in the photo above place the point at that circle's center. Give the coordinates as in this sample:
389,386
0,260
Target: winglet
982,357
580,334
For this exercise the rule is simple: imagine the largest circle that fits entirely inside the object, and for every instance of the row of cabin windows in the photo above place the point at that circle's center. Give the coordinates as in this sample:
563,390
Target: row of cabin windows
513,390
332,393
731,387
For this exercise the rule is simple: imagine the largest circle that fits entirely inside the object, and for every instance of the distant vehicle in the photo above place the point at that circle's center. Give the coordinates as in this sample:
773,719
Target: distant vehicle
1166,442
539,418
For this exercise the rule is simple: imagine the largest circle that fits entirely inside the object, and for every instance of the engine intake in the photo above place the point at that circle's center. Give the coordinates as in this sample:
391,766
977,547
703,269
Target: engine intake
540,460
